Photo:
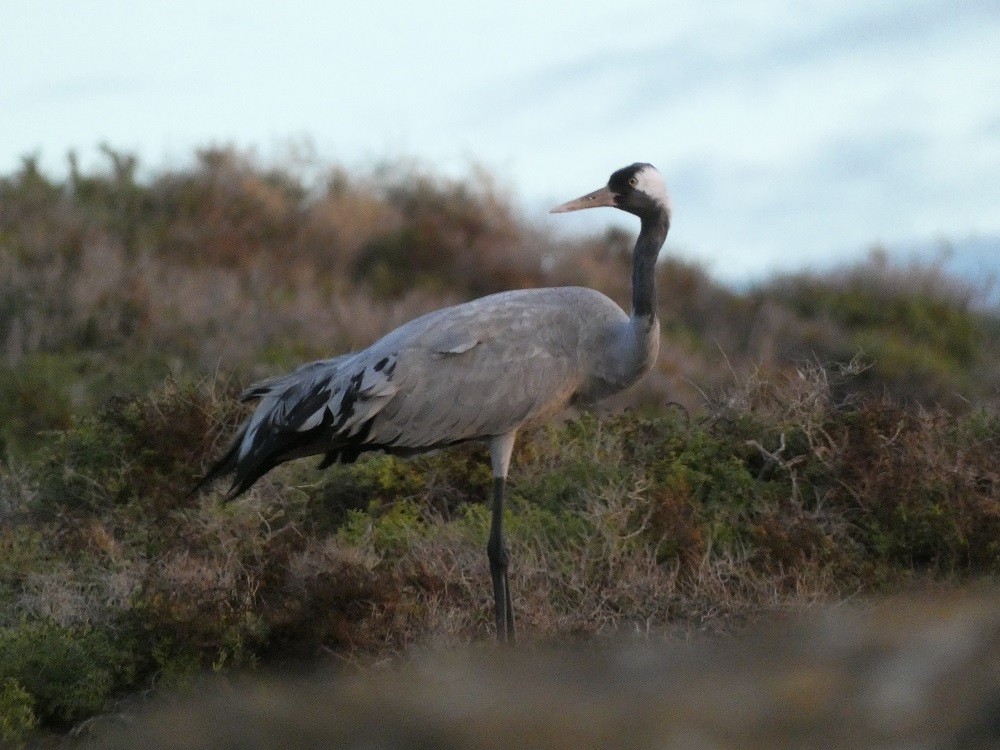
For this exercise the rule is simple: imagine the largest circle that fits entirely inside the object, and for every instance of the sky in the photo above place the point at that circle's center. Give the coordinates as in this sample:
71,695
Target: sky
790,133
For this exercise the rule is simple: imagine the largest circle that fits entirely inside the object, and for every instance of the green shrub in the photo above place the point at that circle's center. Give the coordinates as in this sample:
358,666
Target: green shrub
17,713
34,397
919,327
63,675
141,453
920,487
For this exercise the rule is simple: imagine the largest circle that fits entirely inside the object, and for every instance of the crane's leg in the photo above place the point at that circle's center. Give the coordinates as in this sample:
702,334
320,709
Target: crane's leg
496,547
499,555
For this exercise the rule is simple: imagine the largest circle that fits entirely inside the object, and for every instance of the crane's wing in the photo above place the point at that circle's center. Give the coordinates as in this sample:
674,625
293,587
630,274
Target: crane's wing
465,384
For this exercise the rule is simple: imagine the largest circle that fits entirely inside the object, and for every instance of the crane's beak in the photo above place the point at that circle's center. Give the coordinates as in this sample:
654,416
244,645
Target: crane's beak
602,197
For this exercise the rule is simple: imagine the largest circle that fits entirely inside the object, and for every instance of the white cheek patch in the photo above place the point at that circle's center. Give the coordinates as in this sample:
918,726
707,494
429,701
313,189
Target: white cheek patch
650,181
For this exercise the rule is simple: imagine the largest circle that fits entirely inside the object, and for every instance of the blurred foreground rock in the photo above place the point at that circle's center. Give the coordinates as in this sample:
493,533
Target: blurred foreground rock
920,672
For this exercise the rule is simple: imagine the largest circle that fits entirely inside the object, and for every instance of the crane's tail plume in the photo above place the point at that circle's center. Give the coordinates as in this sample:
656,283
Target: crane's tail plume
322,407
234,461
225,465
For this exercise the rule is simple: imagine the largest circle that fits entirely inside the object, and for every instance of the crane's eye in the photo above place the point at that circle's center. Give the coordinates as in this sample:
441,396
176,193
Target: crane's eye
633,181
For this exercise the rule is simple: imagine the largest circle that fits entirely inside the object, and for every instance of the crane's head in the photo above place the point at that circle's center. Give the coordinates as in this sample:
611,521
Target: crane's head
638,189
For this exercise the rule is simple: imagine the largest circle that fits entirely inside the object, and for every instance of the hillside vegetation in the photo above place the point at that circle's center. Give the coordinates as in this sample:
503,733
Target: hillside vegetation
815,438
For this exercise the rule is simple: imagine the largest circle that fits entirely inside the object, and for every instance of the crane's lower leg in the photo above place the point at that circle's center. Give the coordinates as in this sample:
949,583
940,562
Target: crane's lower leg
499,555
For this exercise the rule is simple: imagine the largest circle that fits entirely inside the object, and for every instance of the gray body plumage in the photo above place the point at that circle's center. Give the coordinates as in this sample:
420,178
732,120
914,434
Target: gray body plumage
469,372
476,371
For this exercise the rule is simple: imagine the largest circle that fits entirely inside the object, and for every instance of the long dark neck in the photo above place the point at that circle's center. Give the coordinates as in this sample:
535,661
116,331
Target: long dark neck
651,238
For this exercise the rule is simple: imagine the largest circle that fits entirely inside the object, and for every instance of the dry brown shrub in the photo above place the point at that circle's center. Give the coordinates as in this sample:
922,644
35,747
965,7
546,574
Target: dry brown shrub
934,497
339,597
673,522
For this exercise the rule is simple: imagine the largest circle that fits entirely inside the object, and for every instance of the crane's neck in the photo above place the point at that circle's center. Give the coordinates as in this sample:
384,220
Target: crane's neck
635,342
652,235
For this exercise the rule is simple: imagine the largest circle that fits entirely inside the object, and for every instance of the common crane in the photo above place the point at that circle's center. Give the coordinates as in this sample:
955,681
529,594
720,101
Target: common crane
481,370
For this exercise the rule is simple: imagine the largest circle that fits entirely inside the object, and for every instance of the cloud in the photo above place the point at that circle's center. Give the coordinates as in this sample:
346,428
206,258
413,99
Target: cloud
633,81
